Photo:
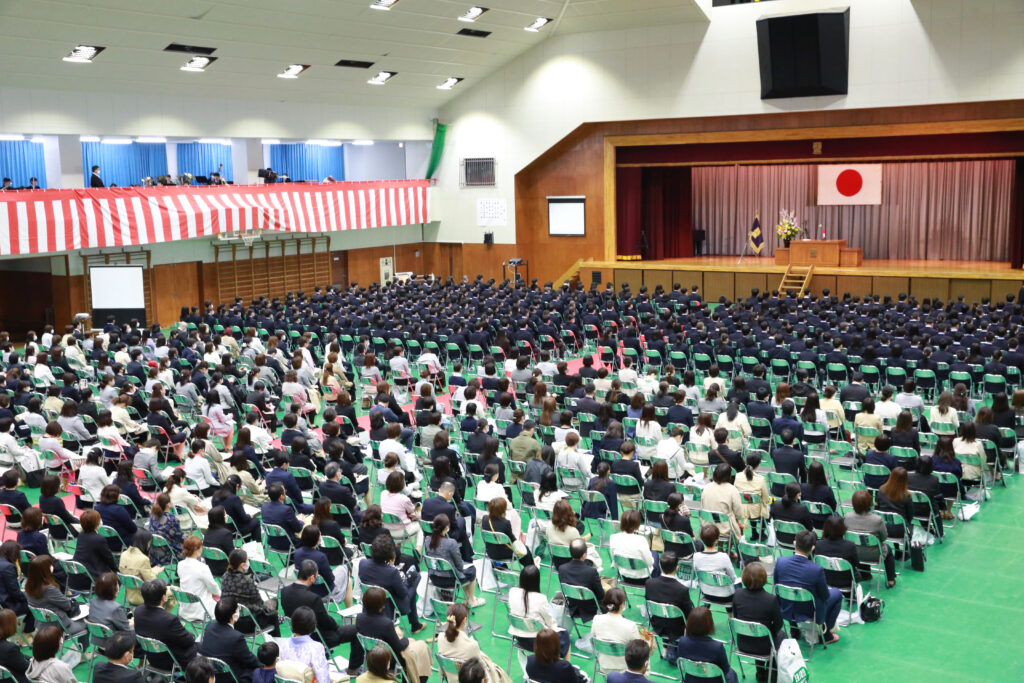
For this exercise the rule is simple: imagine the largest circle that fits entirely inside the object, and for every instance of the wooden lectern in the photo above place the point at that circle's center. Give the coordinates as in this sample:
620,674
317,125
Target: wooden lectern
820,253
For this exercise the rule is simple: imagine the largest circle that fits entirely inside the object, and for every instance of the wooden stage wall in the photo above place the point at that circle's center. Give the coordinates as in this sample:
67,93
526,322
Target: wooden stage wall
737,281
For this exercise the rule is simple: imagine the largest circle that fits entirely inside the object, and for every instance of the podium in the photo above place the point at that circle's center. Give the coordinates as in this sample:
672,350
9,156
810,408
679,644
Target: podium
821,253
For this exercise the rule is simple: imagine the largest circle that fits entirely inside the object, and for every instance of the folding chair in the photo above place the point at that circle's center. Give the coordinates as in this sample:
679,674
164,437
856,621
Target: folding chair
751,629
803,596
705,670
608,648
150,647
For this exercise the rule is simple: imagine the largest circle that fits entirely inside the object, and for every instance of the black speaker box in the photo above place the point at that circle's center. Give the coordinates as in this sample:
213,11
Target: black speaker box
804,55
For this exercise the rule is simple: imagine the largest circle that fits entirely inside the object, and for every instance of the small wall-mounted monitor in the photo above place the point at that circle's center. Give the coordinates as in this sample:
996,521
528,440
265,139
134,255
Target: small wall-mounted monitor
567,216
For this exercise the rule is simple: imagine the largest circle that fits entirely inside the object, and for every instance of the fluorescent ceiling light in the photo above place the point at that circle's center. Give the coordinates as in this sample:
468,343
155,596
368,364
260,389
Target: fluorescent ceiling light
449,83
383,4
324,143
538,24
150,140
214,141
38,139
382,77
362,143
293,71
89,138
83,54
116,141
270,141
11,137
472,14
198,63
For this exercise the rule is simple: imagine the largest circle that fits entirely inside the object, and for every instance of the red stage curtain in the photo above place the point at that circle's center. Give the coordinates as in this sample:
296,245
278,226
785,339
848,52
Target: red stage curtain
1017,216
654,212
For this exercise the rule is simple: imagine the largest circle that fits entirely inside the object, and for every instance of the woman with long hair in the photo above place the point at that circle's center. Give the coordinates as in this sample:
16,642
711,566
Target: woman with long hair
749,483
734,420
164,522
904,434
603,484
894,496
441,547
43,591
459,645
944,412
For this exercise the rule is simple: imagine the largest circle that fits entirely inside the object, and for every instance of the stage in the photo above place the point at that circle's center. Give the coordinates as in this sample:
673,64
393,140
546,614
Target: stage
731,277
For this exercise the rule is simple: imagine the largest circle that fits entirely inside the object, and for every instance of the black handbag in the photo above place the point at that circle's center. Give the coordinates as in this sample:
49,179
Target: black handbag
871,609
917,557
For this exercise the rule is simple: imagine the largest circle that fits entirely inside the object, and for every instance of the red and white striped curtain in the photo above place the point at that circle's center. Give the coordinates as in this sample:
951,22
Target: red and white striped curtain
47,221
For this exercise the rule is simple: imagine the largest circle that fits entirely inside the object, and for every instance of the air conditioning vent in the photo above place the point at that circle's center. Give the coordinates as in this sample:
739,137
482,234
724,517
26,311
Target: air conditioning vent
190,49
474,33
478,172
354,64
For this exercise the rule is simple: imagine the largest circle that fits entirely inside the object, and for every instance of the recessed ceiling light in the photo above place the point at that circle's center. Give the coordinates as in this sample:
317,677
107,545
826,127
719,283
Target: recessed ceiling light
83,54
214,141
270,141
293,71
12,137
450,83
89,138
363,143
538,24
473,13
382,77
116,141
198,63
152,140
473,32
324,143
354,63
383,4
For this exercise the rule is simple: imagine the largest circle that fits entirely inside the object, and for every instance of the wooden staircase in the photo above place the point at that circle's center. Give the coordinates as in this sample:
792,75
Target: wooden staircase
796,278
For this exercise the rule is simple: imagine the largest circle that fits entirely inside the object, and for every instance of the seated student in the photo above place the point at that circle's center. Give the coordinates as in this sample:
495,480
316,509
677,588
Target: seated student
440,546
799,571
658,487
629,495
116,516
817,490
668,590
379,570
677,518
414,655
711,559
833,543
548,665
753,603
722,453
698,645
11,496
528,602
91,550
43,592
335,579
46,666
638,655
923,480
788,459
106,610
879,455
222,641
459,645
790,509
268,654
120,653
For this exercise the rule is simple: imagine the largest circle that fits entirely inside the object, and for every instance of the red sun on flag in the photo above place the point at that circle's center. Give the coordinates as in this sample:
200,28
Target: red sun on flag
849,182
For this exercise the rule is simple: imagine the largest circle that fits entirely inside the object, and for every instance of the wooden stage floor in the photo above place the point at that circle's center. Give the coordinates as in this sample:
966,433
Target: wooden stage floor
967,270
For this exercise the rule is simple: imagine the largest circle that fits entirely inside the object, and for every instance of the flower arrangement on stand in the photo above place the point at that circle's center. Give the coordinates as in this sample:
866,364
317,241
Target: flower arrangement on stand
787,228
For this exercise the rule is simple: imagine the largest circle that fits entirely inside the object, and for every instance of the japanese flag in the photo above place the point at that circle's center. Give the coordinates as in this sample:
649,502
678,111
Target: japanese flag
850,184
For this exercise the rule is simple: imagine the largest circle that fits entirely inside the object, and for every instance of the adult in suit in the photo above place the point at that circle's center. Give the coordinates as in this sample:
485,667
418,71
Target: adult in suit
788,459
833,543
92,550
442,504
328,631
856,391
927,483
374,622
787,420
95,180
228,498
379,570
546,664
339,494
799,571
11,595
153,621
280,475
579,572
276,511
698,645
638,655
668,590
754,603
222,641
120,651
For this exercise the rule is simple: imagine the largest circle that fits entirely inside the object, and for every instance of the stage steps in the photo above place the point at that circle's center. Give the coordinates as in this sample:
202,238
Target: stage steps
797,278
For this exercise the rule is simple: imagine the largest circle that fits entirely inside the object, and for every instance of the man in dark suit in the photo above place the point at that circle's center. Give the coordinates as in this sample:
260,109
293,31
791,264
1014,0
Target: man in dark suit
94,179
442,504
279,513
755,383
222,641
328,631
588,404
856,391
135,367
379,570
788,460
667,589
280,475
760,408
339,493
120,651
153,621
725,454
799,571
578,572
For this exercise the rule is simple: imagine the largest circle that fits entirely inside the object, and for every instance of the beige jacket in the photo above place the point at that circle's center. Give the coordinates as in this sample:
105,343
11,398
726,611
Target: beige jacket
758,485
465,648
135,563
724,498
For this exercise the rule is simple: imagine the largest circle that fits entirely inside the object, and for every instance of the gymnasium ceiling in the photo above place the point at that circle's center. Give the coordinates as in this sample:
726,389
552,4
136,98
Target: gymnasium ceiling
257,39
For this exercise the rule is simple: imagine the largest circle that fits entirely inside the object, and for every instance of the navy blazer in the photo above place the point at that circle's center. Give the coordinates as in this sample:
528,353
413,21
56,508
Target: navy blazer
230,646
388,577
11,595
281,514
322,566
579,573
291,487
159,624
117,517
702,649
798,571
559,671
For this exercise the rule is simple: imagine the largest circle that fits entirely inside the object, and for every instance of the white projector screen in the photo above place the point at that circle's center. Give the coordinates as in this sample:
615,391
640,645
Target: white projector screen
117,287
567,216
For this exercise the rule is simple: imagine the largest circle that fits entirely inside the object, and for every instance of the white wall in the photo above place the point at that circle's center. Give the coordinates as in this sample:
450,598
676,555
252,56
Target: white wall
417,155
380,161
902,52
51,157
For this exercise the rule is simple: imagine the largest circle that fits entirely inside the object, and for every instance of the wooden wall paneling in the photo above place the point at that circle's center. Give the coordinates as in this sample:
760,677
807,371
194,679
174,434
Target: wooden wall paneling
745,282
1001,288
819,283
486,260
28,309
856,285
718,284
930,287
688,279
76,295
62,314
890,286
633,278
653,278
175,285
970,290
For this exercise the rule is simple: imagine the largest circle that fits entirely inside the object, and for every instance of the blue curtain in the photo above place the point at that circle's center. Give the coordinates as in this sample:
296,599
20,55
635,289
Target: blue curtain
21,160
300,161
124,165
201,158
